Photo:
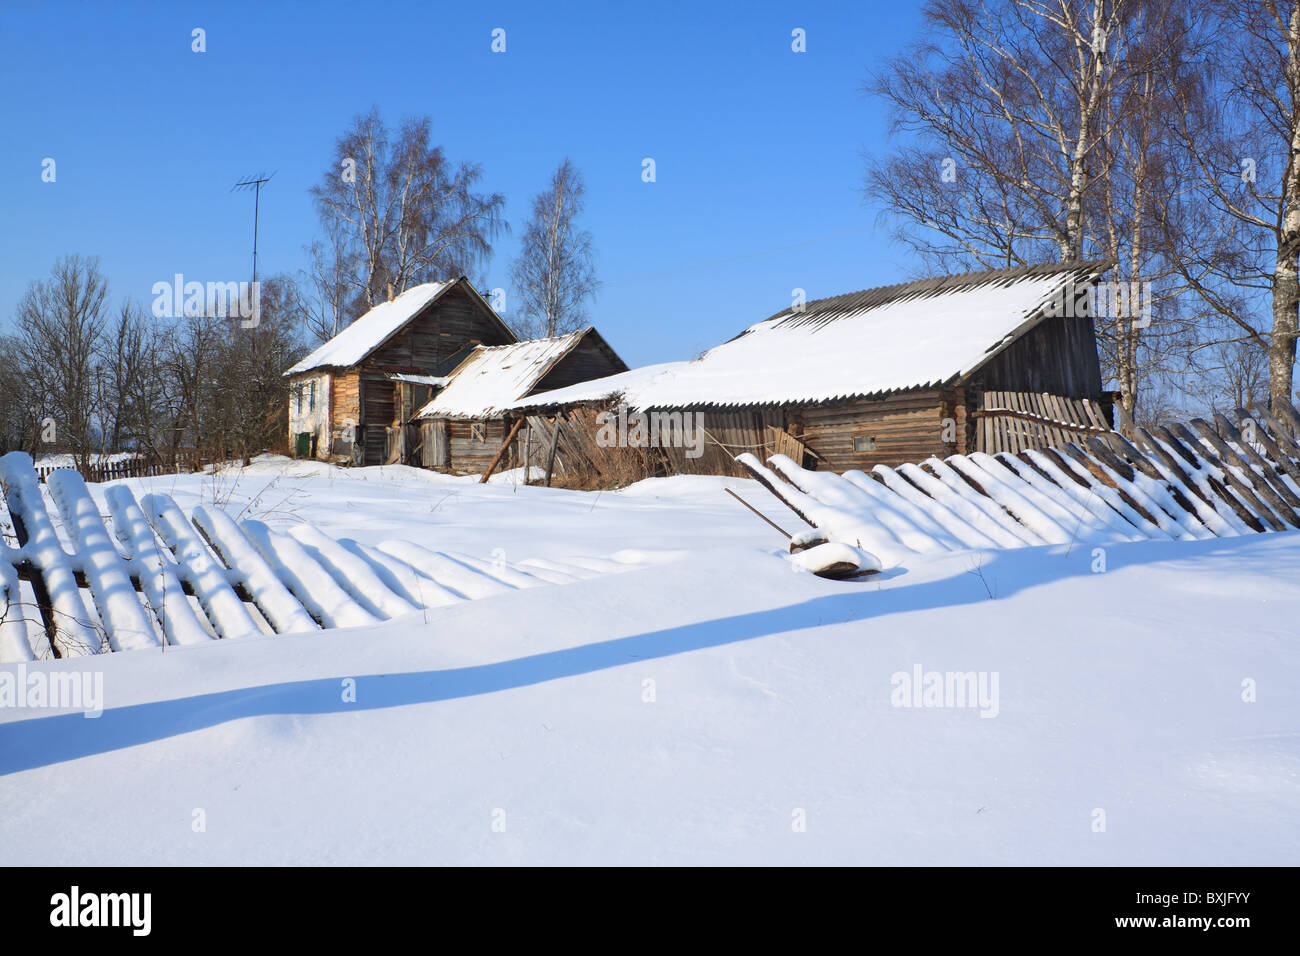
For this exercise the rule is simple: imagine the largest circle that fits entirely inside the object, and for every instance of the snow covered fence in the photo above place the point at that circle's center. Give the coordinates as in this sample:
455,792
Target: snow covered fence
145,576
1179,482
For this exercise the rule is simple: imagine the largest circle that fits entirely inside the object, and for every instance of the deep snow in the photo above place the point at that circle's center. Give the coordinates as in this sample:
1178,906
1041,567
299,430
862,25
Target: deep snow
695,710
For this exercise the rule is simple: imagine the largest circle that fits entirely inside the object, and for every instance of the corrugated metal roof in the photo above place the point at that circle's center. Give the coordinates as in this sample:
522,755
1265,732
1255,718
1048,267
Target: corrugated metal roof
873,342
493,378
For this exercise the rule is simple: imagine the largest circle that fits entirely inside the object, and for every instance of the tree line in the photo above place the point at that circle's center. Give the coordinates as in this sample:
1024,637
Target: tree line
84,375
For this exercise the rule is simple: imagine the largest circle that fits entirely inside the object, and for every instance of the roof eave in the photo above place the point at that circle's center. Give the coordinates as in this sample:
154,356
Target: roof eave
1088,271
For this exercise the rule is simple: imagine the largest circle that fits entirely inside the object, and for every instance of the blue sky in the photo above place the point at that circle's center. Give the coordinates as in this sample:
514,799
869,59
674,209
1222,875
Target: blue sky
758,148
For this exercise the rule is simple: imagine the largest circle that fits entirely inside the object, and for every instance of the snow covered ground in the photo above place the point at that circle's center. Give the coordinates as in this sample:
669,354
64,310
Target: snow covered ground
713,706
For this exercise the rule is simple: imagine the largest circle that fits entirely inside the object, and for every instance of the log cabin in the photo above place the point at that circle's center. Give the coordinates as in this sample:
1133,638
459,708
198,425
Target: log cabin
464,426
353,397
1003,360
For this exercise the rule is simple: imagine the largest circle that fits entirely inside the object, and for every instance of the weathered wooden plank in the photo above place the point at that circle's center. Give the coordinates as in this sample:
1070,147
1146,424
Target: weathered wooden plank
1094,468
1282,450
1266,469
1238,487
1248,477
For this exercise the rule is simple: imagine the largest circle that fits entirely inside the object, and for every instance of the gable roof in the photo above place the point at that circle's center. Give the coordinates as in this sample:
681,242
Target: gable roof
494,377
356,343
914,335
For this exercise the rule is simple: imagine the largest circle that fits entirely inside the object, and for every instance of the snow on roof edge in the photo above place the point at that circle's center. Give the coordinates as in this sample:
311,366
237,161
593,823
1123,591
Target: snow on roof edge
491,379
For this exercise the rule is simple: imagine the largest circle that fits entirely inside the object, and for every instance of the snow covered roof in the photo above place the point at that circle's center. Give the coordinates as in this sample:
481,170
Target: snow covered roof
873,342
493,378
437,380
373,329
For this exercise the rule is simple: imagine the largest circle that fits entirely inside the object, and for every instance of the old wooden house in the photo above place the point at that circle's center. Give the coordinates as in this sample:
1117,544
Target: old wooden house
353,396
464,426
992,361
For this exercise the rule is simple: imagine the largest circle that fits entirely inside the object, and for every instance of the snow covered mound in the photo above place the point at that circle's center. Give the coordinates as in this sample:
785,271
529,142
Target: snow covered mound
834,559
1144,715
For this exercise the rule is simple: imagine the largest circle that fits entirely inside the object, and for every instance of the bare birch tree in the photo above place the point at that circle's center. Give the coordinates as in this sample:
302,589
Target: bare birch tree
403,211
1032,133
1004,109
324,306
555,273
1158,48
1234,234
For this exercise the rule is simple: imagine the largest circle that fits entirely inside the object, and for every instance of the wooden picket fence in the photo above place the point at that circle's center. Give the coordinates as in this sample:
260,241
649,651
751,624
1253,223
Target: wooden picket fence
1016,421
125,468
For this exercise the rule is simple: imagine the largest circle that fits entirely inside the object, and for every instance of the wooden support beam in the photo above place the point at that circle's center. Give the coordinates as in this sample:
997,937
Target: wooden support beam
555,442
505,446
528,453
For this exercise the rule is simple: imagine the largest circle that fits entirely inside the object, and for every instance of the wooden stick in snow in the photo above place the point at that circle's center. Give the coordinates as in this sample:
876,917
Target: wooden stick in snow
757,512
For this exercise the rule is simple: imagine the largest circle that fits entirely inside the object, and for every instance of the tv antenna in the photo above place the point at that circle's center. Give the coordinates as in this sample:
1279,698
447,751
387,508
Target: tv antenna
255,183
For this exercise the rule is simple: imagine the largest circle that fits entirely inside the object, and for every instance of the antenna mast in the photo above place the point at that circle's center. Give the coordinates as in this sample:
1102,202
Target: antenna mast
255,183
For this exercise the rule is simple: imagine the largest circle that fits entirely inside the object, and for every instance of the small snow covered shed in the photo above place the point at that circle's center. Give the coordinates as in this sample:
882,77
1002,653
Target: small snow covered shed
464,426
355,395
990,361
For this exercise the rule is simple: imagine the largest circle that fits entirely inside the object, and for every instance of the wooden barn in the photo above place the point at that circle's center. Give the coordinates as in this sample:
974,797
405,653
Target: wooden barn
354,395
464,426
992,361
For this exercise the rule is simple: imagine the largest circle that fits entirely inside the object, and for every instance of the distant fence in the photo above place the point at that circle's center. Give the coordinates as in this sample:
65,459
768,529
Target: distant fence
126,468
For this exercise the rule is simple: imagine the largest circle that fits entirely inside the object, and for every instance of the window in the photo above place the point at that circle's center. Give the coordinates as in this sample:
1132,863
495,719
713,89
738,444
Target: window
476,432
863,443
311,397
297,399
